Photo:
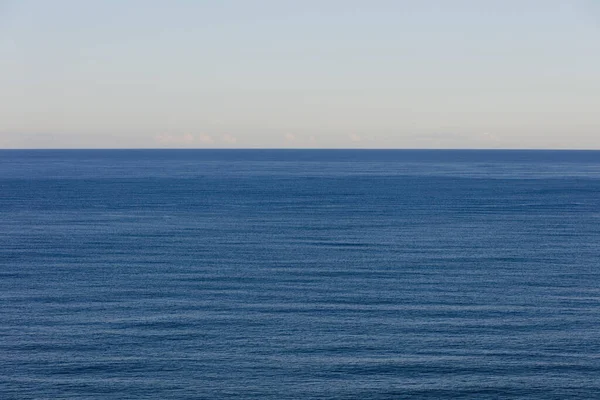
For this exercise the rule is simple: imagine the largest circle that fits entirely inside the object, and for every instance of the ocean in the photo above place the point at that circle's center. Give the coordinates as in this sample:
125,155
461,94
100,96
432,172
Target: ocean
299,274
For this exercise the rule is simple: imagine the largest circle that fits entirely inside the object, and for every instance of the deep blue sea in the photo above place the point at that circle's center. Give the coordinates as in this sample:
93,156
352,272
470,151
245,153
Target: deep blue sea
299,274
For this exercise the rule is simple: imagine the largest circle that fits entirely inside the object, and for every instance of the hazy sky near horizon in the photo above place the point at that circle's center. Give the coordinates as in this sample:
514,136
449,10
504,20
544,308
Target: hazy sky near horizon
278,73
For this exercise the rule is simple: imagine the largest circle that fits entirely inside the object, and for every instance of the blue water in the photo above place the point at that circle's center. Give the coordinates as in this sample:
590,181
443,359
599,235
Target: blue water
283,274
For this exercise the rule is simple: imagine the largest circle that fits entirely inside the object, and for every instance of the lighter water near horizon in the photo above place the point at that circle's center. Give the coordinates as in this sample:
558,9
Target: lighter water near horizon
299,274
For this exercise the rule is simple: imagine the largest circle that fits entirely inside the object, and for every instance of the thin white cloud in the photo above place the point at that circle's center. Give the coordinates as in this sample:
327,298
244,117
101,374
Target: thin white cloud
355,138
174,140
163,138
490,136
206,139
227,138
447,140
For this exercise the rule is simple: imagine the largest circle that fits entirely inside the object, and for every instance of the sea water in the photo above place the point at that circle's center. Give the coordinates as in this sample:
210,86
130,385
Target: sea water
299,274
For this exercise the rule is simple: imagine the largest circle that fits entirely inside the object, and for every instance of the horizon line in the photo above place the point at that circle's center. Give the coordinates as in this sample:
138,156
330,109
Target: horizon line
295,148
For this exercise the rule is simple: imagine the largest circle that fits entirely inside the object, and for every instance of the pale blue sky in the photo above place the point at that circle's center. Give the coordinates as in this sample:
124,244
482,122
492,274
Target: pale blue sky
277,73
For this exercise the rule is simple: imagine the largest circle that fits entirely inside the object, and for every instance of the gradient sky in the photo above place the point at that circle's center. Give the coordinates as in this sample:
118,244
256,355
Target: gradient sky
279,73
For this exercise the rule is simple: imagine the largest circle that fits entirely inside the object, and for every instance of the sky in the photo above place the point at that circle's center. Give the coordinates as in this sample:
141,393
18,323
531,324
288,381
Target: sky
300,74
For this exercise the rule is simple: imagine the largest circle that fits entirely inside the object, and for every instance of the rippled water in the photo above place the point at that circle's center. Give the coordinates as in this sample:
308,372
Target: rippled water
299,274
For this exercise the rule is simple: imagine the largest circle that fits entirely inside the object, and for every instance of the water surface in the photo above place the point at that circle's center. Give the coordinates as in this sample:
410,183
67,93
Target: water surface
295,274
